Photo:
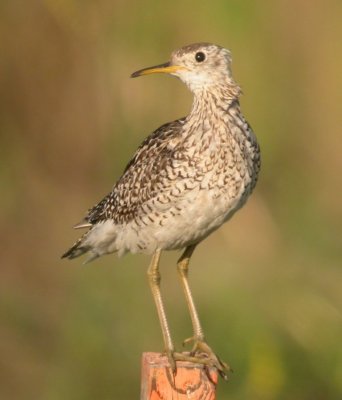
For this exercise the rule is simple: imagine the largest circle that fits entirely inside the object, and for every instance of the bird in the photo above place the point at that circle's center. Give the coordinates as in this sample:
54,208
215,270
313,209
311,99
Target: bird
185,180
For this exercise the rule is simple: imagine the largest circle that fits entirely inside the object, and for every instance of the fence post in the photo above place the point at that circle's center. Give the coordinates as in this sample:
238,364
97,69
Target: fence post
192,381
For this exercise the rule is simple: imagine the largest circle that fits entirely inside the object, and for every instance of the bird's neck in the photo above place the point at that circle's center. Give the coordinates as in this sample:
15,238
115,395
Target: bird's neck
213,101
210,119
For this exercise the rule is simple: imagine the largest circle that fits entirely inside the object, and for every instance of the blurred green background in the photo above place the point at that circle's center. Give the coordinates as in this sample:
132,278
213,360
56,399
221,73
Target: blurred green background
267,284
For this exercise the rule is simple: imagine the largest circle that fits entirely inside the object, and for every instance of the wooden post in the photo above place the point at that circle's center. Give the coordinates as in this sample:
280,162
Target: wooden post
192,381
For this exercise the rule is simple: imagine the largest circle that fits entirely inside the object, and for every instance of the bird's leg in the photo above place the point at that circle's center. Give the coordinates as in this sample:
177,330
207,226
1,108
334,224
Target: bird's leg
200,345
154,281
183,269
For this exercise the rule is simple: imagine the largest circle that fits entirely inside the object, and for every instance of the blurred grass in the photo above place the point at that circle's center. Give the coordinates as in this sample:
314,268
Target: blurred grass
268,284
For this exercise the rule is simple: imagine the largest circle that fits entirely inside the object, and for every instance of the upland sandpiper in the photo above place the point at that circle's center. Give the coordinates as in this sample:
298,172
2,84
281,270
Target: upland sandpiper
185,180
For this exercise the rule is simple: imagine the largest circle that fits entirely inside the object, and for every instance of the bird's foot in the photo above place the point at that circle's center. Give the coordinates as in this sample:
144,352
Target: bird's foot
201,354
170,354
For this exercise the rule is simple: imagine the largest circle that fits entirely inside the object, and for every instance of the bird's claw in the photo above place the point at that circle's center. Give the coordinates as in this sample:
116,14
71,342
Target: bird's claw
201,353
188,340
172,360
201,348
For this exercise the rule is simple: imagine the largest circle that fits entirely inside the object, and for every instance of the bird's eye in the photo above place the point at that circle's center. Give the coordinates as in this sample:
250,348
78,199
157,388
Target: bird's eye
200,56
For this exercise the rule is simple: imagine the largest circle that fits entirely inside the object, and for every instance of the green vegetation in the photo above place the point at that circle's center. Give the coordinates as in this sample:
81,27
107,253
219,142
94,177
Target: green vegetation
267,284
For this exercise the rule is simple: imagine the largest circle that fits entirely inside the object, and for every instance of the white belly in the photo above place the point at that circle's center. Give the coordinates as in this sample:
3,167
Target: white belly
173,224
187,222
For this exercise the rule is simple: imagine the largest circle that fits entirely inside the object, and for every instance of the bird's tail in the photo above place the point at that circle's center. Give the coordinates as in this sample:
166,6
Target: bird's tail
97,241
79,248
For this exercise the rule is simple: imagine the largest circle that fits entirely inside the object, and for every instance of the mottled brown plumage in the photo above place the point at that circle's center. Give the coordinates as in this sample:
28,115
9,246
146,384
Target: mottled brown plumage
184,181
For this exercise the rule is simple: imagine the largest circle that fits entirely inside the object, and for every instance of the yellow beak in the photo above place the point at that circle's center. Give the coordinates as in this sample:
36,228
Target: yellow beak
162,68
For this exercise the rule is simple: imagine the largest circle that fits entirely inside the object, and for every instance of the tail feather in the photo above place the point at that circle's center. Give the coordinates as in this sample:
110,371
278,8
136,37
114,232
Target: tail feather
74,252
98,240
83,224
77,249
92,257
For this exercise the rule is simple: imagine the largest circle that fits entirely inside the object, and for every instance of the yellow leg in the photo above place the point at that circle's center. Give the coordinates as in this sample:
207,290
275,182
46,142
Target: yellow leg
154,281
200,345
183,270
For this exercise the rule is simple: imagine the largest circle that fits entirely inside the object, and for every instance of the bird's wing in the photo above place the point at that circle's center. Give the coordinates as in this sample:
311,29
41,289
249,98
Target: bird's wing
142,177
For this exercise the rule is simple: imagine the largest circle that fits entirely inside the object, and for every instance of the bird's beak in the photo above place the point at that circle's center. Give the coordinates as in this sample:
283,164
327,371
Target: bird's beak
166,68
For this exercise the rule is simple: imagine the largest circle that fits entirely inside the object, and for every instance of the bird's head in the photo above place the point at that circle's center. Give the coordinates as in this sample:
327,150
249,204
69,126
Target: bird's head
199,65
